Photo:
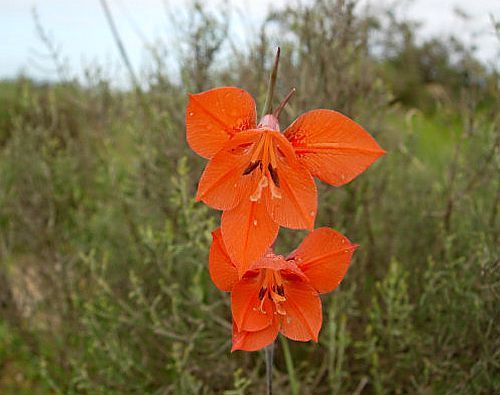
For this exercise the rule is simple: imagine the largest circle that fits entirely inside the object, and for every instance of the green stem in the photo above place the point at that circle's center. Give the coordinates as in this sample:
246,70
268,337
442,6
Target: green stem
269,351
294,384
282,105
268,106
119,44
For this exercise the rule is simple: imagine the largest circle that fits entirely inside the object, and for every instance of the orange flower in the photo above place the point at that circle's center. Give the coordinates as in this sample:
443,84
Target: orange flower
262,178
280,294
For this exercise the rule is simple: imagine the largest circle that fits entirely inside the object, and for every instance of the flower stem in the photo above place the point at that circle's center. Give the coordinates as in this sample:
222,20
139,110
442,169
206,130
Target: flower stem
295,387
282,105
268,106
269,351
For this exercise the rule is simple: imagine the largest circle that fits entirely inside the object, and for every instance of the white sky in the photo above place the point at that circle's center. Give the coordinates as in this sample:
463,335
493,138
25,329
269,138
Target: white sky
80,29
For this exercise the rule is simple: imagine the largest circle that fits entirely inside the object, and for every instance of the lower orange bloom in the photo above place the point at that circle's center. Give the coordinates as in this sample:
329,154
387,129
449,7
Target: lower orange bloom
279,294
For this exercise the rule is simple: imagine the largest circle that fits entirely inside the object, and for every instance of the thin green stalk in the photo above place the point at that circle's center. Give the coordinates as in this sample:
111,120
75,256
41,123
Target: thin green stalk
294,384
282,105
268,106
119,44
269,353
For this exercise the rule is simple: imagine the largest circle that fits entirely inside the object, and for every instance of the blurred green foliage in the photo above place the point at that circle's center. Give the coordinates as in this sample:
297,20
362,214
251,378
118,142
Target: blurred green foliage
104,286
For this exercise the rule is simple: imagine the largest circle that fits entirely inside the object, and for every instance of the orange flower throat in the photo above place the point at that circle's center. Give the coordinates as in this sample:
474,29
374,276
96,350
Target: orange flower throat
264,161
272,286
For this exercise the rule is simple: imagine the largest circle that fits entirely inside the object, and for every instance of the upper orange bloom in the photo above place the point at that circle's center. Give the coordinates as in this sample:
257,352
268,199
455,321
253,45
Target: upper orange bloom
262,178
280,294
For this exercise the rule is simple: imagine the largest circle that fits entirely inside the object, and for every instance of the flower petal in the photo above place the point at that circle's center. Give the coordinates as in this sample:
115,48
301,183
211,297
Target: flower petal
297,206
253,341
278,263
214,116
248,231
303,317
324,258
245,305
223,184
333,147
222,271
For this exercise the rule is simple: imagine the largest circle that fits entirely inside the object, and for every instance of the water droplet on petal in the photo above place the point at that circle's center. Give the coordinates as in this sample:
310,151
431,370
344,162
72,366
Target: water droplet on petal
255,222
312,213
191,114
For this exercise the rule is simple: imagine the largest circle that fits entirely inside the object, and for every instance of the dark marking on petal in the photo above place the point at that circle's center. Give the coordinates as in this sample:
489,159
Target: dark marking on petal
281,290
262,293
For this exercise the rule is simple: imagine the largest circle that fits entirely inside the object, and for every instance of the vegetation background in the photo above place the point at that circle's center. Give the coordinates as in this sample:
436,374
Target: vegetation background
104,286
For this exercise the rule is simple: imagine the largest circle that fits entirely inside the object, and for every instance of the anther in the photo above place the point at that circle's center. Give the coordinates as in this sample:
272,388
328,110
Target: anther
252,166
274,175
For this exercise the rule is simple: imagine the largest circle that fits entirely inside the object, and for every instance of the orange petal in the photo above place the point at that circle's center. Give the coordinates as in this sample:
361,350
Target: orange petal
324,258
248,231
214,116
333,147
223,184
303,315
222,271
253,341
297,206
245,305
278,263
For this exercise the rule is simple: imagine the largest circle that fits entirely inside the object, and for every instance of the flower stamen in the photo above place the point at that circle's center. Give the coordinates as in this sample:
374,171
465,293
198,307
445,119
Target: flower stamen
257,150
263,183
274,174
272,285
252,166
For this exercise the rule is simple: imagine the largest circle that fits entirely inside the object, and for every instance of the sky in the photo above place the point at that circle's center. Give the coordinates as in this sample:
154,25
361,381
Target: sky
81,32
